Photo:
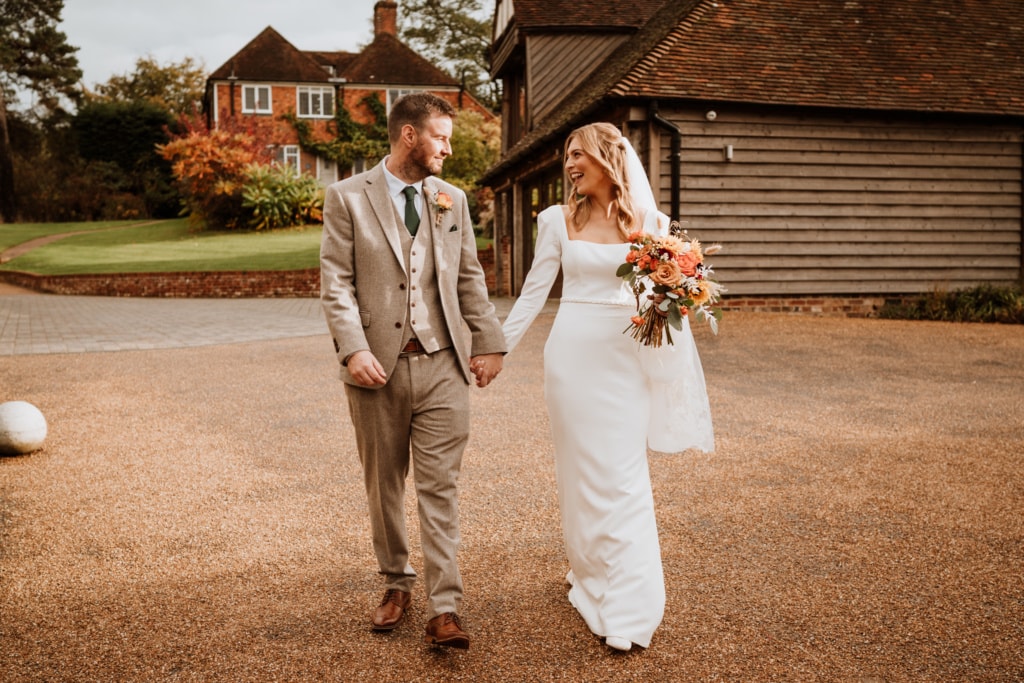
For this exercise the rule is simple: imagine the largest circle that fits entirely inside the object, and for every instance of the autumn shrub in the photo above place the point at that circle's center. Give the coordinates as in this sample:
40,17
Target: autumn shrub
210,168
276,196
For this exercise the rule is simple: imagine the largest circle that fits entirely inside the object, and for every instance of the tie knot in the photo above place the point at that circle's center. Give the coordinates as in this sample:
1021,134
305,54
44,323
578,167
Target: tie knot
409,192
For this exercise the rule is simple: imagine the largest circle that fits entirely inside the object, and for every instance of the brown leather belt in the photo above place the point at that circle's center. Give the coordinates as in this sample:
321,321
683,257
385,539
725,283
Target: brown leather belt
413,346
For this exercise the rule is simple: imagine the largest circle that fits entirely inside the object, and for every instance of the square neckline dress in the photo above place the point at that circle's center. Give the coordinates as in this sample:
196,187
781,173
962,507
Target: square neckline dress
599,397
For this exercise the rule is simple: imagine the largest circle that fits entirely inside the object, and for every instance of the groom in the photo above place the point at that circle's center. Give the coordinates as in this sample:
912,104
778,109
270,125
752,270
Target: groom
400,284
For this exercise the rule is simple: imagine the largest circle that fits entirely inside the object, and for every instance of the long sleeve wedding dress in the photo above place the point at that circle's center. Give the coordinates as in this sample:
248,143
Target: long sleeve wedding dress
604,394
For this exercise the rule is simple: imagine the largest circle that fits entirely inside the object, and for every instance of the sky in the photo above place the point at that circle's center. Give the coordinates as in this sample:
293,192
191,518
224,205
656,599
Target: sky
113,34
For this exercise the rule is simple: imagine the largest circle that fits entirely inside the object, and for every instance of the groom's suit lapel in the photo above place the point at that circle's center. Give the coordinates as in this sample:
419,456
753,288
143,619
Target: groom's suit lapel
384,209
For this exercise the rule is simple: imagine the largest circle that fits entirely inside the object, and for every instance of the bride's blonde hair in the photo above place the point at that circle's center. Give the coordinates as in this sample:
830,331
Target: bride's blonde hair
604,144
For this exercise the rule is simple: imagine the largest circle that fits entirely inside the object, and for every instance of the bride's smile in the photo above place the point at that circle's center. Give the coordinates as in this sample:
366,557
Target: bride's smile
586,176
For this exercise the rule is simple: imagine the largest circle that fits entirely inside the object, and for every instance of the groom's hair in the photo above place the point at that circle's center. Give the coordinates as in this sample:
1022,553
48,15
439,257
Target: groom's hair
413,110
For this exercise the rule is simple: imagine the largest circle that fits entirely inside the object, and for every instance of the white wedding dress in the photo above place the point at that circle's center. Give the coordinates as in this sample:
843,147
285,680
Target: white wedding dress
603,392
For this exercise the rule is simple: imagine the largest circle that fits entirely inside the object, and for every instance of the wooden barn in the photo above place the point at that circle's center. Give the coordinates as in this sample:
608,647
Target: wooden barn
848,150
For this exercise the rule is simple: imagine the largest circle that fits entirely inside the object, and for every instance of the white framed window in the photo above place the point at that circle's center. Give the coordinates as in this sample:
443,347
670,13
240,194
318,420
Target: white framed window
256,99
288,155
315,102
395,93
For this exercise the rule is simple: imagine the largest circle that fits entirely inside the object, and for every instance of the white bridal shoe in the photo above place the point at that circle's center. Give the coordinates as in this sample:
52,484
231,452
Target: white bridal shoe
617,643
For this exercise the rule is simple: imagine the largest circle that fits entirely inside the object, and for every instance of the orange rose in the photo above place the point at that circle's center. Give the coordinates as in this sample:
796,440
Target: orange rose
632,256
688,262
637,320
667,273
444,201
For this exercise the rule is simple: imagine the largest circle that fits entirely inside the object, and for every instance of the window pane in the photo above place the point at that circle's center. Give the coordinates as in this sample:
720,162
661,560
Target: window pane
291,155
328,102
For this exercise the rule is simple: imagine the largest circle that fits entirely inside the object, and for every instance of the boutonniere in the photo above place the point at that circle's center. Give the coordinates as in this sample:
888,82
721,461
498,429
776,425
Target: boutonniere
443,203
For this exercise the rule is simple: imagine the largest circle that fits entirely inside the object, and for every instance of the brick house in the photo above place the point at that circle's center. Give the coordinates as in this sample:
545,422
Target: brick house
270,78
859,148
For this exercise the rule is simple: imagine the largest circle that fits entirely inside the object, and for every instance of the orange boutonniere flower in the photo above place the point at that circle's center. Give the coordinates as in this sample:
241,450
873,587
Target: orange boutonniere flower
443,202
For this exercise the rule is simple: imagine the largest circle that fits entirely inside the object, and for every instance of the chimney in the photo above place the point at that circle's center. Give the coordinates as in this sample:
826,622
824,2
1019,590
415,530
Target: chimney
385,18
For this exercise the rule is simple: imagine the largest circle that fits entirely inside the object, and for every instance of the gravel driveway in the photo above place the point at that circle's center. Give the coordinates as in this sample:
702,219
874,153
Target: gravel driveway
196,515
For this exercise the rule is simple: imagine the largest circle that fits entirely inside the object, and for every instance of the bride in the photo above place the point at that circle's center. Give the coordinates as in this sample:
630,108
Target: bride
604,392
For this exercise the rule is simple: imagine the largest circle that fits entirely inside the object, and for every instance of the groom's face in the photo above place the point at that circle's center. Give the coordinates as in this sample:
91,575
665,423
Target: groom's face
433,144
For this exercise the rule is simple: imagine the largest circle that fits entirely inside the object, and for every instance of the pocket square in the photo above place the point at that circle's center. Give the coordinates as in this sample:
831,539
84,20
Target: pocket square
453,228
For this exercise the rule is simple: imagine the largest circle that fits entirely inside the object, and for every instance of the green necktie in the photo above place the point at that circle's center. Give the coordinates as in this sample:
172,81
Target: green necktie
412,219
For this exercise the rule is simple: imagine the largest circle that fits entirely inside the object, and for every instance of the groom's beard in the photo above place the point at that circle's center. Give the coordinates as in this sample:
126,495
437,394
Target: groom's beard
422,159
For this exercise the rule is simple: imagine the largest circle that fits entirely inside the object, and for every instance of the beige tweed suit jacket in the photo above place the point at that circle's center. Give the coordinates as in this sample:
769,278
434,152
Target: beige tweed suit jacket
364,286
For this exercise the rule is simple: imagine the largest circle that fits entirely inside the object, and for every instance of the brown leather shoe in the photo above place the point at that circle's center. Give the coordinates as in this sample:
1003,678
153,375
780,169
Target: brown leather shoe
392,609
444,629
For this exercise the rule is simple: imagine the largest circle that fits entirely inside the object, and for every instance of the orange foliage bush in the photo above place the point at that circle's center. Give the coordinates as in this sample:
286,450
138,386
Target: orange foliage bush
210,167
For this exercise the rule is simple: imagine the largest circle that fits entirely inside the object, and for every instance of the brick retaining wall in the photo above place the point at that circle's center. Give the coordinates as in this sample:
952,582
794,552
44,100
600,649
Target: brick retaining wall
849,306
214,285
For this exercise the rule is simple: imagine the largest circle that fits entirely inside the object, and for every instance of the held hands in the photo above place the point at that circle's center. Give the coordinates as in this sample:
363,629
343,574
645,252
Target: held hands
486,367
365,369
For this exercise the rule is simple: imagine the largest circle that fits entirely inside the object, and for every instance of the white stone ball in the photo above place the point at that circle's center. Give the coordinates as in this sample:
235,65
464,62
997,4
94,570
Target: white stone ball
22,428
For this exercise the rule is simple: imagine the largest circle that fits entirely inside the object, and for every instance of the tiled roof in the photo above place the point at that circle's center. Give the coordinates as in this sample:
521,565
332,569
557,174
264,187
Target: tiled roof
542,14
338,60
269,57
917,55
954,56
389,60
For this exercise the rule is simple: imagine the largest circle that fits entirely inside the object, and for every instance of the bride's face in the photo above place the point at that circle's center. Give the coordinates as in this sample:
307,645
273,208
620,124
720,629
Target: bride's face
586,176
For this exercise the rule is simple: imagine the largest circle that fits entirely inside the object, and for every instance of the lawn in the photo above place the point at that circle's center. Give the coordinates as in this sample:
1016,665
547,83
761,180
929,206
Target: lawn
16,233
166,246
162,246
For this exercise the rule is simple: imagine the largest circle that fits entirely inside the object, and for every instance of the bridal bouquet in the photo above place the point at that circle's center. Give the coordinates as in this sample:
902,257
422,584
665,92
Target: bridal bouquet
669,278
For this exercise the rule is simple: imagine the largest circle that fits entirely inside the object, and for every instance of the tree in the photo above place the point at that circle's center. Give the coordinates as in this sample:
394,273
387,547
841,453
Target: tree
456,35
126,134
177,87
34,56
476,146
